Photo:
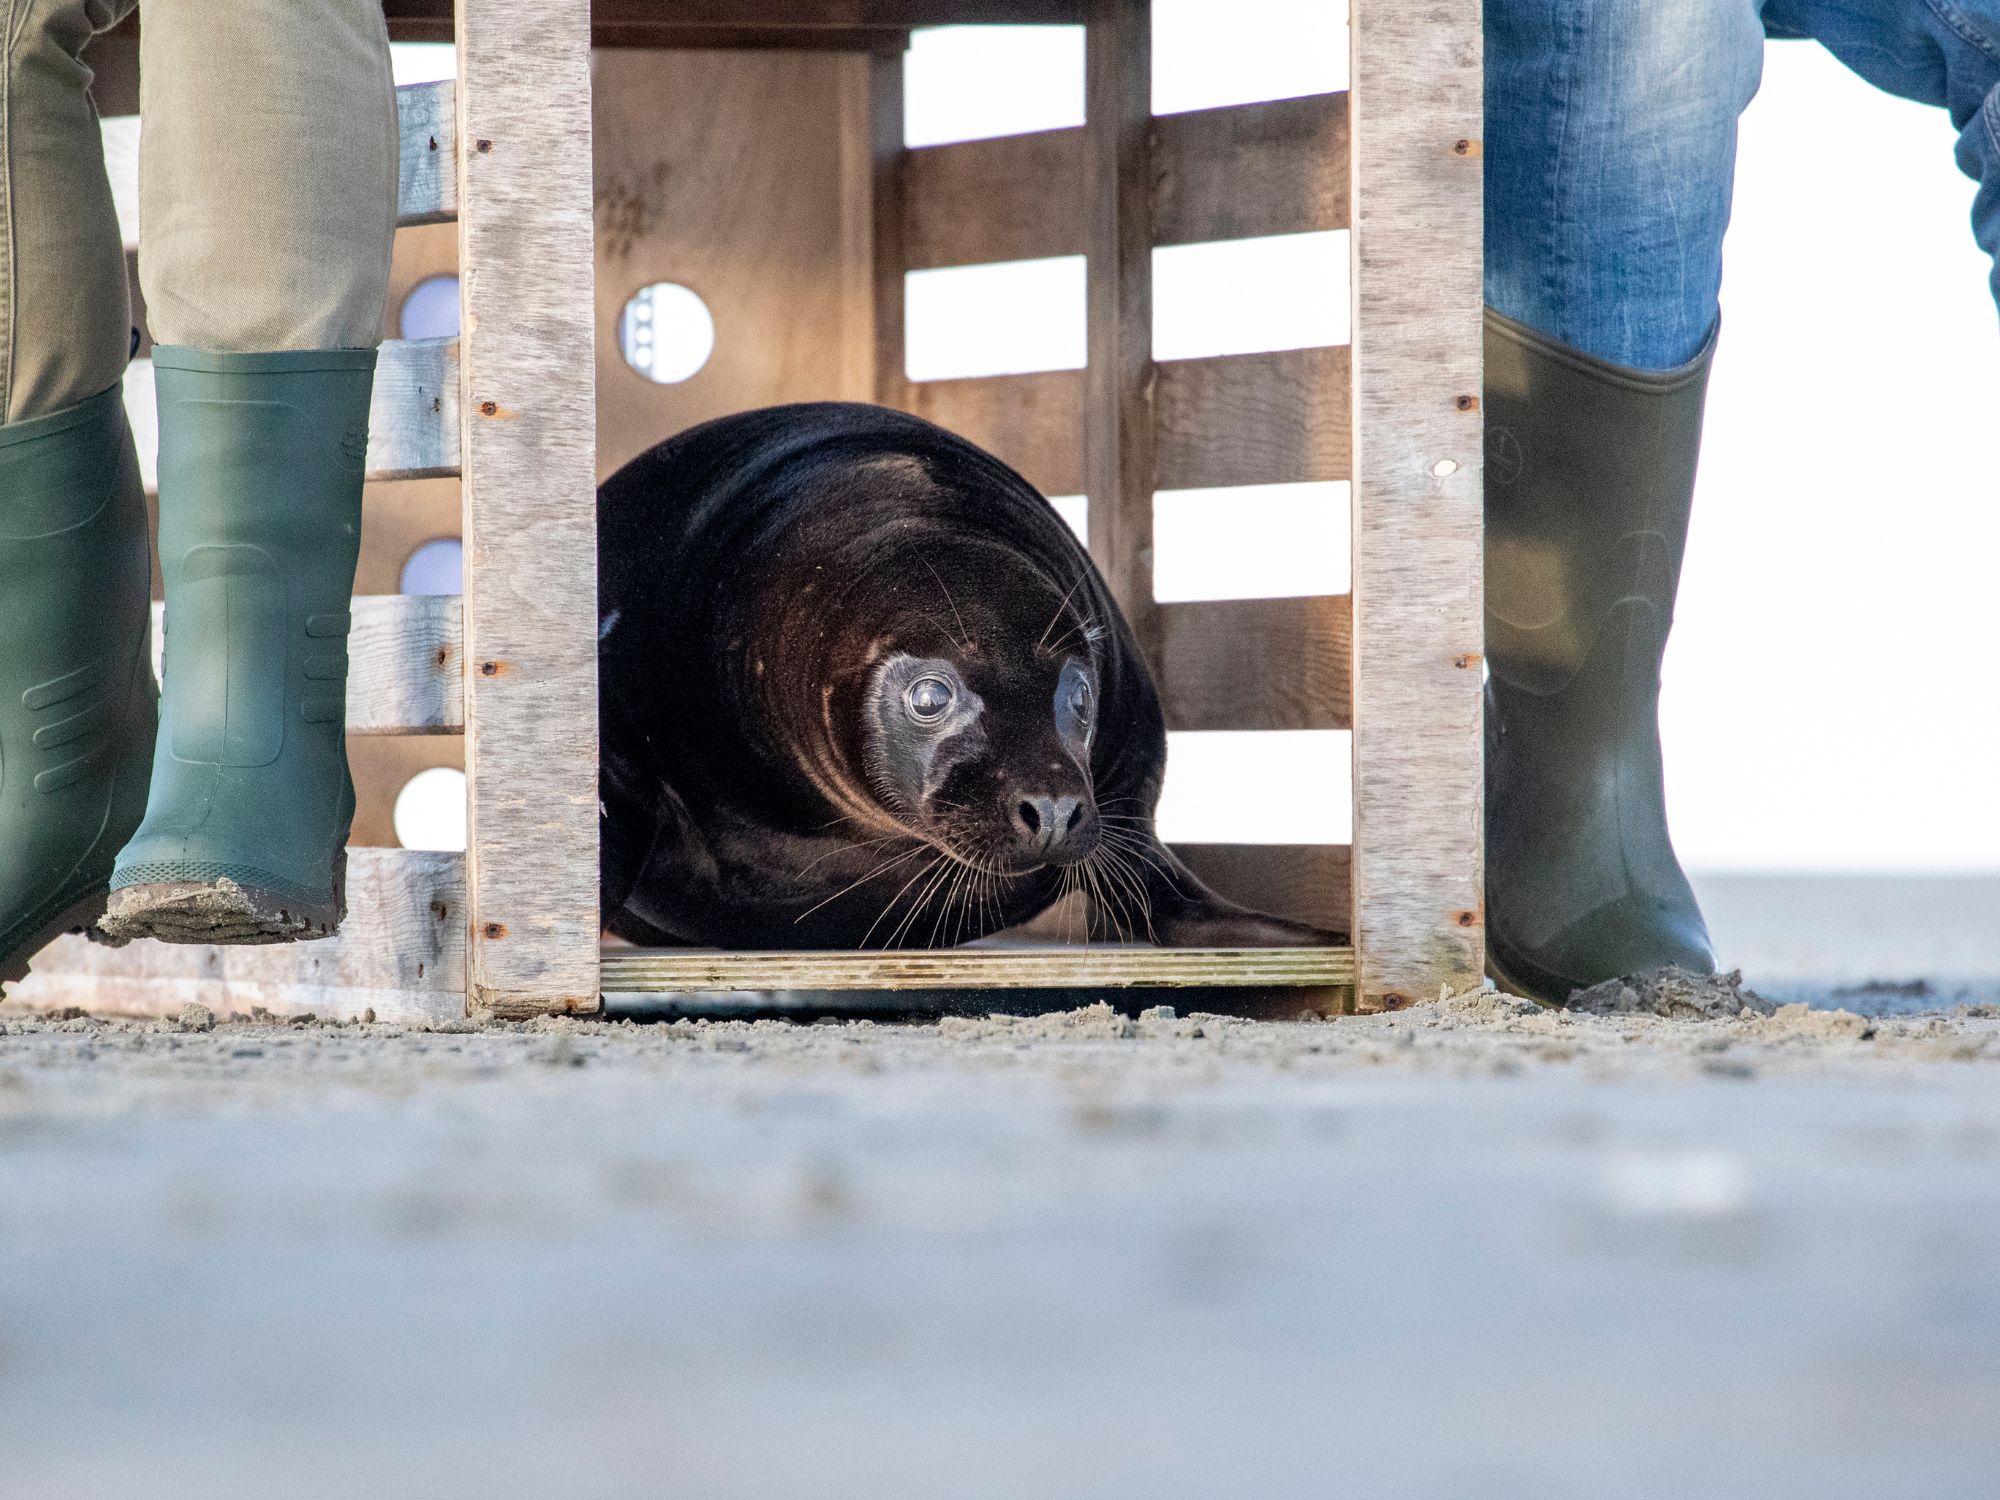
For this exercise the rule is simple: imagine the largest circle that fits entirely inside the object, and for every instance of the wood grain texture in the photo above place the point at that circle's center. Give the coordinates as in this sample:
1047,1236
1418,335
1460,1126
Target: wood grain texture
1305,882
751,191
1229,173
1033,423
1118,383
427,159
399,954
406,665
888,254
1415,131
1250,169
528,421
1256,663
652,23
413,421
681,971
1234,419
1252,419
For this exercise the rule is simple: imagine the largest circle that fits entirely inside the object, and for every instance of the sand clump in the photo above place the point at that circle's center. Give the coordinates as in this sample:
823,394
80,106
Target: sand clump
1675,994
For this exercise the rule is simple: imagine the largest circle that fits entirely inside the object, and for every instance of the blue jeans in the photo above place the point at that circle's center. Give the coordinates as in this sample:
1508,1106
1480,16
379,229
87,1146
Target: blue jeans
1611,147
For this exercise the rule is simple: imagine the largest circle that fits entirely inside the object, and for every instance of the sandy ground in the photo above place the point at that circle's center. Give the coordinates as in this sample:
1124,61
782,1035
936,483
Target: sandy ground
1469,1250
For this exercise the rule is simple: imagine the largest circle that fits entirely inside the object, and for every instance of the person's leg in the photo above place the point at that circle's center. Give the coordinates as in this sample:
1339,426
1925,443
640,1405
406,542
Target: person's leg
1611,132
267,205
1610,159
1941,52
76,711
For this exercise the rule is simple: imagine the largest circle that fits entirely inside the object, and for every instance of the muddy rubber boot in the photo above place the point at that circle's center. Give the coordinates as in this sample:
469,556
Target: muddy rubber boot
245,837
1589,479
76,685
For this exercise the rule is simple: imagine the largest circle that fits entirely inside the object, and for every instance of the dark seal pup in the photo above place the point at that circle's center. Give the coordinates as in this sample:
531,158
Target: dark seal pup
862,688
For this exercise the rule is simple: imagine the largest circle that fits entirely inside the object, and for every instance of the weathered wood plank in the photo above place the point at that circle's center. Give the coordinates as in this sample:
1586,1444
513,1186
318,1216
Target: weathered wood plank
1269,418
1250,169
1305,882
1252,419
427,160
1014,197
672,971
888,254
1256,663
400,954
1218,174
1033,423
413,422
649,23
1118,383
1415,133
405,664
529,420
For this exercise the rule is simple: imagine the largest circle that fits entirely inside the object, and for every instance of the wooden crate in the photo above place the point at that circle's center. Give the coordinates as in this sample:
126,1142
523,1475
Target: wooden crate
771,176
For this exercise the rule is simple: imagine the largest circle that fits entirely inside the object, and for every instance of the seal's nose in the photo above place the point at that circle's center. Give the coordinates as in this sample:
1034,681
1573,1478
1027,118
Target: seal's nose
1050,827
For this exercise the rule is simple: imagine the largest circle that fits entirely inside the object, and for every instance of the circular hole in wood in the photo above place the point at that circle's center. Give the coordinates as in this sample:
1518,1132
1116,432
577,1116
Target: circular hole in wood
666,332
435,567
430,810
430,310
1445,467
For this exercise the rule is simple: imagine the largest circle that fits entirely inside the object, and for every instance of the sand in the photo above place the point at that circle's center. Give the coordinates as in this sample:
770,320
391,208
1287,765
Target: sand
1475,1248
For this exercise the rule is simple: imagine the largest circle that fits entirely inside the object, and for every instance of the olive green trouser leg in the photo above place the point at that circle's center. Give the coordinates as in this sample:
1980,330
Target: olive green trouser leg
263,374
1589,479
76,691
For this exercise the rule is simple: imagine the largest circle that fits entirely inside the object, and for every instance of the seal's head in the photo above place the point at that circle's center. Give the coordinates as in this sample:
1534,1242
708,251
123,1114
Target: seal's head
976,734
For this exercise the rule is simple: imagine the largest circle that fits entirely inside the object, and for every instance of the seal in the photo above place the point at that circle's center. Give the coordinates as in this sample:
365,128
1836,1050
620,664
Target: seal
862,688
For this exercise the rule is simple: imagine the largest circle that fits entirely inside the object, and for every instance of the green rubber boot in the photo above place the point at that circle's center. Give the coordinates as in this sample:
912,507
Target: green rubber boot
245,838
1589,479
76,688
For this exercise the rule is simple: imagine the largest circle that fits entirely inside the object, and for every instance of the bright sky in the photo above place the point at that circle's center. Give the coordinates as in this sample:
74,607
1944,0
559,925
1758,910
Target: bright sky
1830,699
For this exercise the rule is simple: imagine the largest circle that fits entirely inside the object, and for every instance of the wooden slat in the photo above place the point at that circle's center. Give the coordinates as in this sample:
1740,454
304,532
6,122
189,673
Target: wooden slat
1417,553
1251,169
1015,197
1218,174
1305,882
654,24
1032,422
888,165
400,953
1256,663
1235,419
676,971
528,448
427,162
1118,383
1252,419
405,664
413,423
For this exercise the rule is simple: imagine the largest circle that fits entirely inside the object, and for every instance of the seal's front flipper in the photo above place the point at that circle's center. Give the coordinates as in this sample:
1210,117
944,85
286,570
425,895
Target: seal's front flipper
1187,914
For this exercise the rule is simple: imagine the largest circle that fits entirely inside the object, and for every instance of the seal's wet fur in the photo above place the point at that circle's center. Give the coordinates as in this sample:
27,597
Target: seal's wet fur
756,575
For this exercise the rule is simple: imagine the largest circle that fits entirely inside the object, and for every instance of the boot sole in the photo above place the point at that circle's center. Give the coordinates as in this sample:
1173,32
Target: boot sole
79,917
222,911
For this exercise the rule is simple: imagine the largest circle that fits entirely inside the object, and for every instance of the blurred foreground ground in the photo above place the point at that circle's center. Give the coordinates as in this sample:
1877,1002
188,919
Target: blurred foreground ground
1469,1250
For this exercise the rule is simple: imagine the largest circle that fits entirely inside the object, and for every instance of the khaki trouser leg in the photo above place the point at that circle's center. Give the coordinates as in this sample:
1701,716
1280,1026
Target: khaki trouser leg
65,313
267,173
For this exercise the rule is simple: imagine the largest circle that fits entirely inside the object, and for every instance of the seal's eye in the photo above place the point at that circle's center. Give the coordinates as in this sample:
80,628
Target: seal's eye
929,699
1080,701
